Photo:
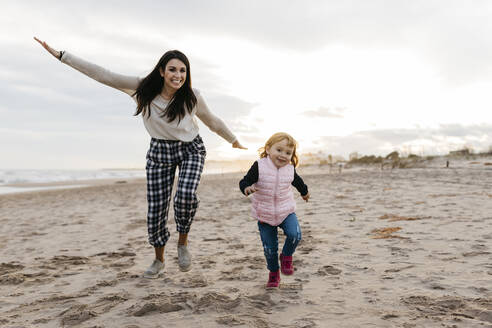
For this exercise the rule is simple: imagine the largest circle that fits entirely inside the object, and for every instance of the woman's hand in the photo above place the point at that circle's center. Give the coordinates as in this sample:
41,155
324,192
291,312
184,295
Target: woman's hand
236,144
306,197
52,51
249,190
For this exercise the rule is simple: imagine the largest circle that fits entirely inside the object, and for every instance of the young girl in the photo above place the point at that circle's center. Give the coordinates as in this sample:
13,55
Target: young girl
273,204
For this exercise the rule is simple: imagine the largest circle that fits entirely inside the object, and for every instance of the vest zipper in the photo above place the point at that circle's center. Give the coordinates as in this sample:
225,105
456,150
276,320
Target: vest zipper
275,197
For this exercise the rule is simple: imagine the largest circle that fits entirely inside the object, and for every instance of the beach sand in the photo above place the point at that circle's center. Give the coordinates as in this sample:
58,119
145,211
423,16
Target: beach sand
392,248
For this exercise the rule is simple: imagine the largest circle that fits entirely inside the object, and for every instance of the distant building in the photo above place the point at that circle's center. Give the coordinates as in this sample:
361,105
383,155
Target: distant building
461,152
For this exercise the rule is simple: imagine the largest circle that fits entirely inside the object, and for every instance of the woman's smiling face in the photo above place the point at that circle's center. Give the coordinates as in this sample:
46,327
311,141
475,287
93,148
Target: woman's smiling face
174,75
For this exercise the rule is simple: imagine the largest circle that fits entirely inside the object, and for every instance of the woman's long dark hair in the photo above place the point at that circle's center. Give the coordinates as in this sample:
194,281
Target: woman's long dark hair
184,98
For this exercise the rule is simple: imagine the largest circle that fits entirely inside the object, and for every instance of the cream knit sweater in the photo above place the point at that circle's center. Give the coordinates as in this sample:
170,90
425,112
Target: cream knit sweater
157,126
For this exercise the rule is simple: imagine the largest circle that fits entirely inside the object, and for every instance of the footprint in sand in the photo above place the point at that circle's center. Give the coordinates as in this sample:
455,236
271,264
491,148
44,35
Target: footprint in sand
249,321
65,261
230,320
306,249
152,308
261,301
111,255
476,253
217,301
10,267
237,274
107,283
195,281
12,279
76,314
328,270
254,262
305,323
118,260
452,307
290,287
108,302
34,278
79,313
207,262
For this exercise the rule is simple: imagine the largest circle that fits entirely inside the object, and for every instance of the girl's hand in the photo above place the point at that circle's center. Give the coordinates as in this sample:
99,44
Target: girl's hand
306,197
249,190
236,144
52,51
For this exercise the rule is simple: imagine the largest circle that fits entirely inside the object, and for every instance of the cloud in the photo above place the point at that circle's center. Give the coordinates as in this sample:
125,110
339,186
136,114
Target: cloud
327,112
228,107
458,130
456,45
233,111
254,139
440,140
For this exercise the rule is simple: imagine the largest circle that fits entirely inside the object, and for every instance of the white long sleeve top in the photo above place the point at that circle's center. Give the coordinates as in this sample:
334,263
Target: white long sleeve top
158,127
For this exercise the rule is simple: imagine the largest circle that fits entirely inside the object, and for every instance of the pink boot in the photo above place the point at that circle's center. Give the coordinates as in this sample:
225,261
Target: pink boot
286,265
273,279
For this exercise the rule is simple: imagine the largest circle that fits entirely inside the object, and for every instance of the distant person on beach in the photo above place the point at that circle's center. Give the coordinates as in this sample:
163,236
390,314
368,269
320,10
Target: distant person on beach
168,105
273,205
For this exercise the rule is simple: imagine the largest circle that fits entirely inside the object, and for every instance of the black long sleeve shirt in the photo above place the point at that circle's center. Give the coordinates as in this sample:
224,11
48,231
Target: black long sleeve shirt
252,177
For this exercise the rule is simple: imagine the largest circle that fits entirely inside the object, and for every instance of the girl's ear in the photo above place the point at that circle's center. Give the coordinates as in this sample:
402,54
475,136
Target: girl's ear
161,71
267,150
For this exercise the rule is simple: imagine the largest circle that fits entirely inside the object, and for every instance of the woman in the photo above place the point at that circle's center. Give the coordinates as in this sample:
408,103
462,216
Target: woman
168,106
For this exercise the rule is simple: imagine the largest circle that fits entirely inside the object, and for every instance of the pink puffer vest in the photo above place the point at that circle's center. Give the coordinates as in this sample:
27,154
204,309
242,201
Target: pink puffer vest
274,200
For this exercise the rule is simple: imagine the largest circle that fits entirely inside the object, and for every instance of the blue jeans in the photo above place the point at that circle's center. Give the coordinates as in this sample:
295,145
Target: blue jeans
269,238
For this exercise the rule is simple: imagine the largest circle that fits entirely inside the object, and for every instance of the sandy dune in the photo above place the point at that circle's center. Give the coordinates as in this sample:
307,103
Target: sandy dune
396,248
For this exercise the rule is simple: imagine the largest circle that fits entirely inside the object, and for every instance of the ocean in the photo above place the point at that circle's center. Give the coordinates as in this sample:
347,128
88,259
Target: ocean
13,180
8,177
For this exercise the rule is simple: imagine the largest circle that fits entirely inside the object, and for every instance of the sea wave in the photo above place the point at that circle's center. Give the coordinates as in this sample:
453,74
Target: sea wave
8,177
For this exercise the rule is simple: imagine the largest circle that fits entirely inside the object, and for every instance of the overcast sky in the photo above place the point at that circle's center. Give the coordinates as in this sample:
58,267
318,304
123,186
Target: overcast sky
340,76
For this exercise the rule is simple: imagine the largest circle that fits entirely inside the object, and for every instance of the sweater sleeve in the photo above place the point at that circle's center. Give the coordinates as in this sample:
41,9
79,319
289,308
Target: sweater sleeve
127,84
250,178
213,122
299,184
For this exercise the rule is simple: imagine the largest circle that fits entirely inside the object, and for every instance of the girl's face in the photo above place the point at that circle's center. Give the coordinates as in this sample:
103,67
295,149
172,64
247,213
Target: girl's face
174,75
280,153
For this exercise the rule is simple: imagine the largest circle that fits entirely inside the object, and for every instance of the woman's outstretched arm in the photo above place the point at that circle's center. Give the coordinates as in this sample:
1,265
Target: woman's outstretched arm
127,84
215,124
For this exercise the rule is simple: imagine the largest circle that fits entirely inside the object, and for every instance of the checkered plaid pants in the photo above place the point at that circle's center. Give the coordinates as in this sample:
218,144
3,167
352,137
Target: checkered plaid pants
162,159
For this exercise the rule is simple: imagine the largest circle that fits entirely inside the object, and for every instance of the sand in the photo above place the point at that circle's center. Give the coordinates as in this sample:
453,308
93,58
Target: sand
393,248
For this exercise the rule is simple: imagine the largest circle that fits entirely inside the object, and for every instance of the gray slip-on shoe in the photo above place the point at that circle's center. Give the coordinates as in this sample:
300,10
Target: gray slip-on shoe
184,258
153,270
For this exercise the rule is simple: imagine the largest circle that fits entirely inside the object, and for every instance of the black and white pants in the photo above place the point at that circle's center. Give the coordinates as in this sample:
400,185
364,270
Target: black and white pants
162,159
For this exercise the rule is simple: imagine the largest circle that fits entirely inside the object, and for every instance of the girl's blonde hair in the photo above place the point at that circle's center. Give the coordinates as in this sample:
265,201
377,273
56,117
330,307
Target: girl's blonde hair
277,137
